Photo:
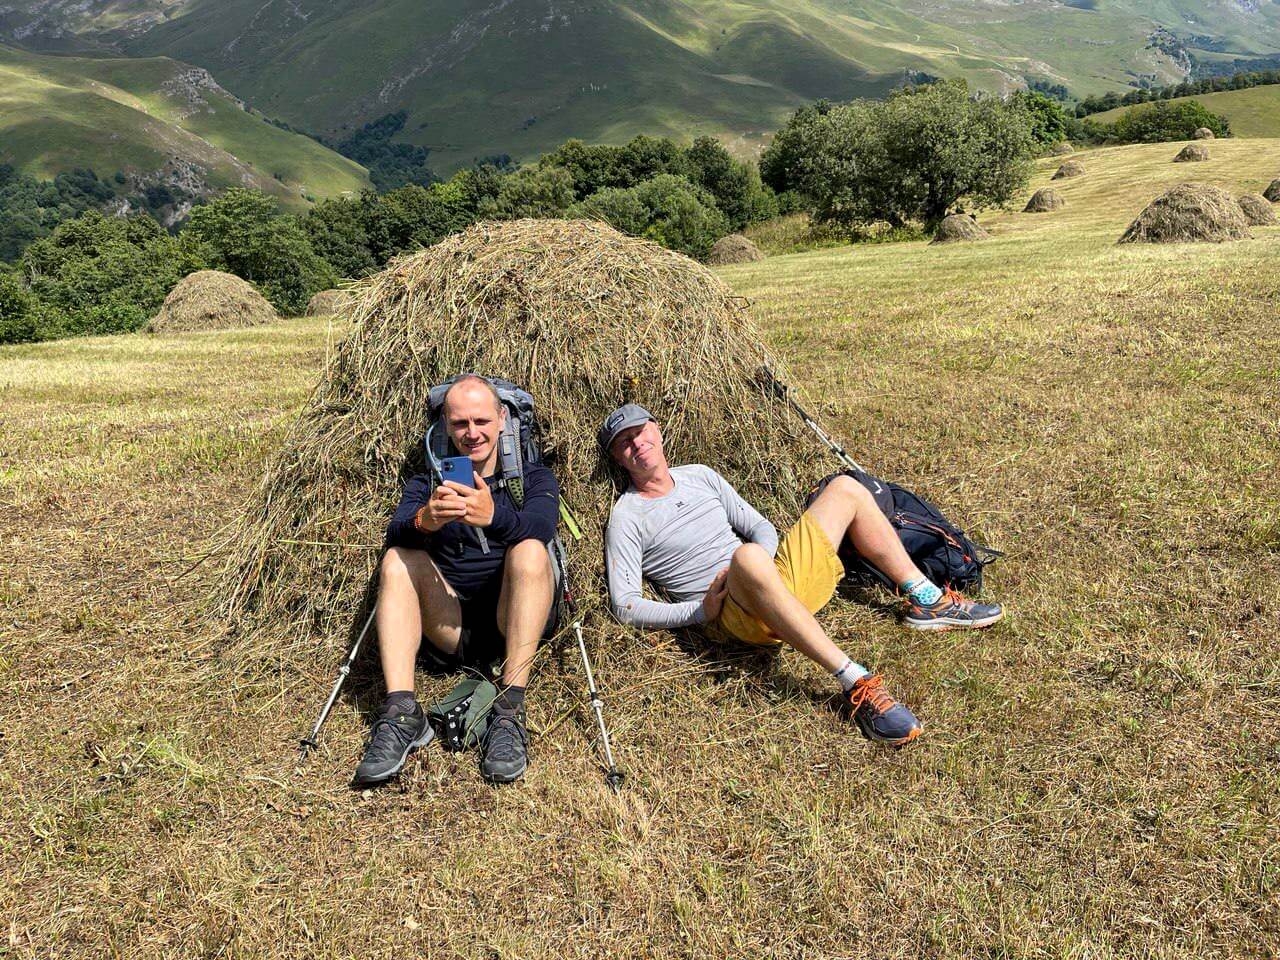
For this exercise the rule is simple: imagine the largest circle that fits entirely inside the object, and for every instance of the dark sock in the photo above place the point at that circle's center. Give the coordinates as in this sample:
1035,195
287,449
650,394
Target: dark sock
399,701
510,699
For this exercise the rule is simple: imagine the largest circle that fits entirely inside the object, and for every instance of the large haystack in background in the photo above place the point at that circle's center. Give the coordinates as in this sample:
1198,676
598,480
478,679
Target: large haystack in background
1192,153
1189,212
583,317
1257,210
1272,192
212,300
1202,133
1044,200
1062,149
1072,168
958,228
328,302
735,248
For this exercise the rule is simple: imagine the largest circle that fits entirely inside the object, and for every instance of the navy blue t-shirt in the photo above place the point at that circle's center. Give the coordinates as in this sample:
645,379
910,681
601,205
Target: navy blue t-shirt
455,548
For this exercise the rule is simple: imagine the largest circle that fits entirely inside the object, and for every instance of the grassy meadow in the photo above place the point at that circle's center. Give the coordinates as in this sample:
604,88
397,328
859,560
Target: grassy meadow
1098,776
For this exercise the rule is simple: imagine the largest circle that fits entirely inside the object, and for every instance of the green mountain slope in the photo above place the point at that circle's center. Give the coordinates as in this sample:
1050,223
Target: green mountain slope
519,76
157,121
1254,112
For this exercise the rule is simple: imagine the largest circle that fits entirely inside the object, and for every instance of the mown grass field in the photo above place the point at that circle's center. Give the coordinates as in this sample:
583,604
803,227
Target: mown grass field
1098,776
1254,112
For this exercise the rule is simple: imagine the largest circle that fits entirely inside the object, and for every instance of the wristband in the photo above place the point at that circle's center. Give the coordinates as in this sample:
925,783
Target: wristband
417,520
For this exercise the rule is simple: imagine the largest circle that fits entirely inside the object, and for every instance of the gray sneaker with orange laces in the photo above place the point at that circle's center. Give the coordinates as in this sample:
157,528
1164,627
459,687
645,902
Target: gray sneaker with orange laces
952,612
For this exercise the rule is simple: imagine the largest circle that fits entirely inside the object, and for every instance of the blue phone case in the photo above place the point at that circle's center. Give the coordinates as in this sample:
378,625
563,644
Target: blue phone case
457,469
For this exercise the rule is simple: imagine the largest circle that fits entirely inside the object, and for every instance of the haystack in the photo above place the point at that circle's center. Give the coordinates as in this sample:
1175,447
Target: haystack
211,300
1202,133
1192,153
327,302
583,317
735,248
1062,149
1272,192
1072,168
1044,200
957,228
1187,212
1257,210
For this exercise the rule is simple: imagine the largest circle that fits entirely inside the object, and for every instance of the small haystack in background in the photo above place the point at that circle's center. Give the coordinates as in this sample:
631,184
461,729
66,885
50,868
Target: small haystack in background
1062,149
1272,192
735,248
580,315
1189,212
212,300
957,228
1044,200
1192,153
1202,133
1257,210
1072,168
327,302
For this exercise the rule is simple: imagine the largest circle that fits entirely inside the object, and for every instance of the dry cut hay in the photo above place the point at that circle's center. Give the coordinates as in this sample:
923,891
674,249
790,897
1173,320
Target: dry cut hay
1072,168
327,302
1202,133
957,228
1192,153
1257,210
1189,212
735,248
1044,200
212,300
1062,149
1272,192
580,315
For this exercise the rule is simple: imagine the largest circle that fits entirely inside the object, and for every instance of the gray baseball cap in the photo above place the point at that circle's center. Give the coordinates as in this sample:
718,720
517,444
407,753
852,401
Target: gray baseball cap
627,415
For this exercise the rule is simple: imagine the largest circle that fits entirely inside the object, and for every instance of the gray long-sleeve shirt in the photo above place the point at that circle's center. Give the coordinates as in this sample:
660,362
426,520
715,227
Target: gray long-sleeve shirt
678,542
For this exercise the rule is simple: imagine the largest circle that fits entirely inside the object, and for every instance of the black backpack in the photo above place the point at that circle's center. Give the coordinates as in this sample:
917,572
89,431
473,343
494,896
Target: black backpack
936,545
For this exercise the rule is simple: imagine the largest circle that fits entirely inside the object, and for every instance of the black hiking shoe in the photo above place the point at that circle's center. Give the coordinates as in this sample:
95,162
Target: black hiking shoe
506,746
395,735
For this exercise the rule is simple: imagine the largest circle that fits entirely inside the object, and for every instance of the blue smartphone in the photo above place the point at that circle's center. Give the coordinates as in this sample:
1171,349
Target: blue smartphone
457,469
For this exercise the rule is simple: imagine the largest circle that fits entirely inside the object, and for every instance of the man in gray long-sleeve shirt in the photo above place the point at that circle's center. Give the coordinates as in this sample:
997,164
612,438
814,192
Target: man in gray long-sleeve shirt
720,563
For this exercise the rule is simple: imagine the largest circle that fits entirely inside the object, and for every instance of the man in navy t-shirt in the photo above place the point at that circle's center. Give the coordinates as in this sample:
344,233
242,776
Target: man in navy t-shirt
471,605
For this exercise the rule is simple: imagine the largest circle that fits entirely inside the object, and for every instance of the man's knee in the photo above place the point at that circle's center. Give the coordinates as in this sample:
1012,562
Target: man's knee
850,493
528,560
396,564
753,562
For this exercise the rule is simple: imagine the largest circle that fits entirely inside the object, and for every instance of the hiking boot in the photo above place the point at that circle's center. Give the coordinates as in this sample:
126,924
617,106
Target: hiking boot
395,735
952,612
880,717
506,746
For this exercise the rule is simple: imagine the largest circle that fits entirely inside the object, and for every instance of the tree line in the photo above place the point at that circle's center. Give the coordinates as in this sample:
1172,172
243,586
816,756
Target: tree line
1100,103
905,162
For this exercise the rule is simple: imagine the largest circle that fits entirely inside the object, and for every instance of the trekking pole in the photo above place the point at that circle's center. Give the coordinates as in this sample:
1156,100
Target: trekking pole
613,776
309,742
784,392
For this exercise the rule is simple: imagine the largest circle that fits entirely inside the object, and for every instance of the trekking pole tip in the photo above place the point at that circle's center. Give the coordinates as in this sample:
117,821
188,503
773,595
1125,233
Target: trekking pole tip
614,778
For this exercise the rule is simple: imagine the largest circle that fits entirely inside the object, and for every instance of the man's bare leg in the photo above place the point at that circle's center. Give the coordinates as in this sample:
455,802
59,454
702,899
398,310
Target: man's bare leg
413,599
523,607
756,586
846,508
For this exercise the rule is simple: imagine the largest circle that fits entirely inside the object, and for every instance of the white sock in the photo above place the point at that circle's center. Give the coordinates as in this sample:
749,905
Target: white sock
850,674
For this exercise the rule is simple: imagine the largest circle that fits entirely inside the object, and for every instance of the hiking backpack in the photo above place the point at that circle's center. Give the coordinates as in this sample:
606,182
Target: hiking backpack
936,545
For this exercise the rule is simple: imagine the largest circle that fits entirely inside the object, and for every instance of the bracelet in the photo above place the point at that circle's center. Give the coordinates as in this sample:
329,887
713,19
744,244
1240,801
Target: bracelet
417,520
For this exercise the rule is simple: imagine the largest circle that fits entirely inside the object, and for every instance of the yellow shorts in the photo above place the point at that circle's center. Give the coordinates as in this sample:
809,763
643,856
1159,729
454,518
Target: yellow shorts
809,568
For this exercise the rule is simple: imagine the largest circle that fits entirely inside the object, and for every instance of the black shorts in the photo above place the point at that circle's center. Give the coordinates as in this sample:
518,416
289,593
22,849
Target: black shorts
482,643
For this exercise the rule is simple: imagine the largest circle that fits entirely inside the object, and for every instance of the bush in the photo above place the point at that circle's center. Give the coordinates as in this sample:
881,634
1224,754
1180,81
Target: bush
1049,121
666,209
337,231
734,185
97,274
912,157
244,233
17,317
541,192
1160,122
